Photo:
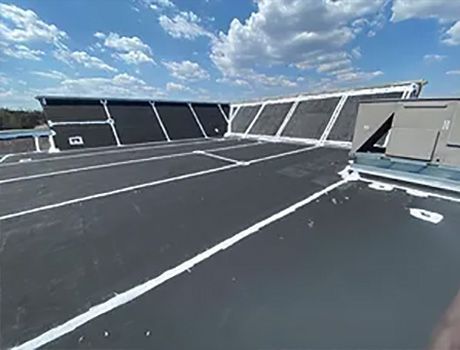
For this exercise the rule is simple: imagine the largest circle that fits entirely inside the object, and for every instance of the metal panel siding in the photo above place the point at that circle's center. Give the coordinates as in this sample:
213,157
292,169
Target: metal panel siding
178,120
270,119
97,135
310,118
345,124
67,111
370,118
226,109
211,119
243,118
454,135
136,123
417,144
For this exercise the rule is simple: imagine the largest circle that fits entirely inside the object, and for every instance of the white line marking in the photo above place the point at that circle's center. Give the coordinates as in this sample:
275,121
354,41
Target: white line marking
281,155
115,192
123,150
139,290
110,165
135,187
215,156
5,157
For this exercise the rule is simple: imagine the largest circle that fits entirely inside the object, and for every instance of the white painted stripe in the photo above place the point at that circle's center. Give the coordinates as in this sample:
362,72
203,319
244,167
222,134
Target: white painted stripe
139,290
215,156
123,150
115,192
251,144
5,157
110,165
281,155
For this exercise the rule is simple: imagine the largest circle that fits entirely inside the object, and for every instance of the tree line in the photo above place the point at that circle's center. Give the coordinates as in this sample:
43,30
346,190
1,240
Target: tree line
10,119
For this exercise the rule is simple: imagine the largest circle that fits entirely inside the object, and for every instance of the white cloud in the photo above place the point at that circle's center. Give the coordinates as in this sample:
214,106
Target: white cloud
121,85
134,57
21,26
124,43
99,35
289,31
6,93
453,72
452,36
174,87
82,58
21,52
4,80
433,58
184,25
186,70
52,74
445,11
131,50
159,4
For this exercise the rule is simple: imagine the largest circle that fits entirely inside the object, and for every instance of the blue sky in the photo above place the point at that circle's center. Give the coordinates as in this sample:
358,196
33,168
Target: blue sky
223,50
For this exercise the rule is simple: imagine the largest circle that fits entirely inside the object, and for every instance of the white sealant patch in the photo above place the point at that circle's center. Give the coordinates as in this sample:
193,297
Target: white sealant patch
417,193
380,186
349,174
425,215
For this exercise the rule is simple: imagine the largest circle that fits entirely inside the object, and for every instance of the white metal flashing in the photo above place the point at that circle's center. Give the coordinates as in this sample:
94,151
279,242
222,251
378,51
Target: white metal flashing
111,122
222,112
288,117
259,112
197,120
333,119
157,115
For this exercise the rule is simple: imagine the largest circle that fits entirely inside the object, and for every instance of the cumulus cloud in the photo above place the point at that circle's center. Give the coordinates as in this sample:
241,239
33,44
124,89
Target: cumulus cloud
447,12
186,70
131,50
305,34
21,52
175,87
121,85
452,36
433,58
20,28
82,58
184,25
51,74
23,26
158,5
